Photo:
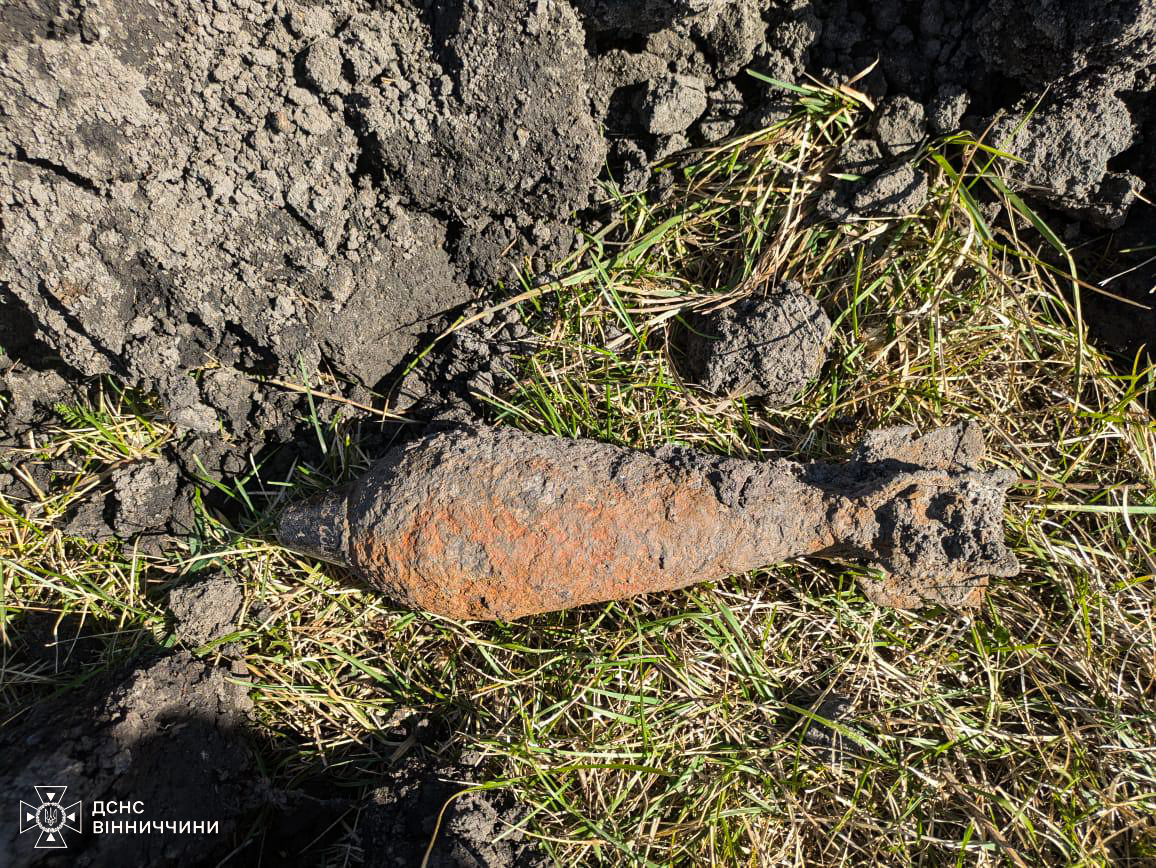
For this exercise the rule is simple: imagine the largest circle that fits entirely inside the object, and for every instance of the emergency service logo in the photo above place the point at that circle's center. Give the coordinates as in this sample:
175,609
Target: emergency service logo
51,817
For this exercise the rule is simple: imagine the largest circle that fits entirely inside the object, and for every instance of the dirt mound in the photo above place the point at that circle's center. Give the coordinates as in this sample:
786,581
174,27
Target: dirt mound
197,198
167,734
253,192
477,829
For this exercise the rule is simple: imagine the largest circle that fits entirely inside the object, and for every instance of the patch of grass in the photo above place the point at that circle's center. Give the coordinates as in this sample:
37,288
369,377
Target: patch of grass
65,595
671,728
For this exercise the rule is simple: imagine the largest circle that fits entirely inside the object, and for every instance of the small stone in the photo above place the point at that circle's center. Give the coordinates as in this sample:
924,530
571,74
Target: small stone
900,190
899,125
672,103
277,121
322,65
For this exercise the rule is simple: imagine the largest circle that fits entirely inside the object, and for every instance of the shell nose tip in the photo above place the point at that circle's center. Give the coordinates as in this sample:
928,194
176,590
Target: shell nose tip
316,527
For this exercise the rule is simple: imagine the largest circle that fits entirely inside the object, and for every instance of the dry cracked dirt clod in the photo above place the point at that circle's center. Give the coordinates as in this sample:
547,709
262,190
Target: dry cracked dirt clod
496,523
766,348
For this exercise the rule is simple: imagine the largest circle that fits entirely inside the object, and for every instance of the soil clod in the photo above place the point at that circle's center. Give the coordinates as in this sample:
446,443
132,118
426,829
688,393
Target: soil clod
476,829
207,609
901,189
672,103
767,348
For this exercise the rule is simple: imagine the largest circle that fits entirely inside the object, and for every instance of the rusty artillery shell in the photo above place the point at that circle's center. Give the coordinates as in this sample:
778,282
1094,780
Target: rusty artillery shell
498,523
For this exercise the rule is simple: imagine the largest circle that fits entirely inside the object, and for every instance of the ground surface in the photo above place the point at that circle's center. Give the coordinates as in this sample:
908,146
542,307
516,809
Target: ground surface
231,234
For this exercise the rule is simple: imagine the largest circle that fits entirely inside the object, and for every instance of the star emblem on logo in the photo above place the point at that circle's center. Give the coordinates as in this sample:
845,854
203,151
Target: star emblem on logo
51,817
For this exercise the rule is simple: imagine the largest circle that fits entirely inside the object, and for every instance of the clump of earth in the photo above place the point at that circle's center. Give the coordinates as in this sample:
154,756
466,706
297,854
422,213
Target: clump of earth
759,347
209,200
404,818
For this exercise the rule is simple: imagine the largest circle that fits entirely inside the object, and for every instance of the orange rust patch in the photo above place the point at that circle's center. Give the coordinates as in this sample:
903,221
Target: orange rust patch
540,558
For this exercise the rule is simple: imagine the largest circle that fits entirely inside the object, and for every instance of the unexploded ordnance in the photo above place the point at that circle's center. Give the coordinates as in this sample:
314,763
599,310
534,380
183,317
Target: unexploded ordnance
498,523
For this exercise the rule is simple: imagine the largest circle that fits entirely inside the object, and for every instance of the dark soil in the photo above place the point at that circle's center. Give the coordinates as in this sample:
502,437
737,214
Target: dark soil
172,733
167,731
197,199
477,829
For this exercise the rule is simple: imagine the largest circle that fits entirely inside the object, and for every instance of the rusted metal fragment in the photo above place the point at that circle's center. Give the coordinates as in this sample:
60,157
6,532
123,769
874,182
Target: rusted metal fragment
498,523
